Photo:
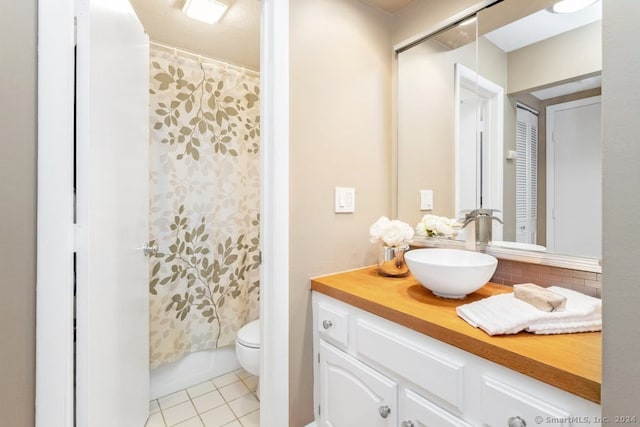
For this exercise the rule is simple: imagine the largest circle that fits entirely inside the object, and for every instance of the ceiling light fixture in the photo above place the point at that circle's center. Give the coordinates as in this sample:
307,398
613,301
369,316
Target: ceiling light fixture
209,11
570,6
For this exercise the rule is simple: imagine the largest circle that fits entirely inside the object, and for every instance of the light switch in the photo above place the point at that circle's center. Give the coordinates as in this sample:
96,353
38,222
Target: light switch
345,200
426,200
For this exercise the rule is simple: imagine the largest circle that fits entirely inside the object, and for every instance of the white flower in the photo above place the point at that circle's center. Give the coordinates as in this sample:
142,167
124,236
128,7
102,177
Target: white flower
377,228
391,232
436,226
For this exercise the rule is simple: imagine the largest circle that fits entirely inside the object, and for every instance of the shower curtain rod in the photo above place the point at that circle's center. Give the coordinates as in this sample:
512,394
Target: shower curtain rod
201,58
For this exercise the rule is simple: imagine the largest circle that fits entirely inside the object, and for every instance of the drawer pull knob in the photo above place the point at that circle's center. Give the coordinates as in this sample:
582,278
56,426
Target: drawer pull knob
384,411
407,424
516,422
327,324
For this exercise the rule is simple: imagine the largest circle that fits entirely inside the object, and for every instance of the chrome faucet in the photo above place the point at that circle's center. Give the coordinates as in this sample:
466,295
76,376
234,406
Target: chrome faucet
480,231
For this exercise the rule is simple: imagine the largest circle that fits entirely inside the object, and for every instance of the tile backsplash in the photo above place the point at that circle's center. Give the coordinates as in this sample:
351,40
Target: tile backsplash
513,272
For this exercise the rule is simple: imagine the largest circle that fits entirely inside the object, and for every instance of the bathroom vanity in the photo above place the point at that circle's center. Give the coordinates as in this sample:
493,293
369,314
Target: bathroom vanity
389,353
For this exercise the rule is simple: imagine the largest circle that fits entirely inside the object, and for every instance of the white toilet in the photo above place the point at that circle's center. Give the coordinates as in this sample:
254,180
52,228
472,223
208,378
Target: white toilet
248,347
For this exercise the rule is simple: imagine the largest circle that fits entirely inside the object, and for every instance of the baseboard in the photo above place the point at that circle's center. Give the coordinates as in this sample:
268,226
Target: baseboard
313,424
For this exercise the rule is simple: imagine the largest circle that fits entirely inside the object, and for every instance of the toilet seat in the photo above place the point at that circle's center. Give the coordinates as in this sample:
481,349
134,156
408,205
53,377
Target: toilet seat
249,335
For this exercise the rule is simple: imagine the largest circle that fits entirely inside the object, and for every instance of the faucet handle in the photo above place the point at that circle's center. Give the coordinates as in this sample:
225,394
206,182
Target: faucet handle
491,213
470,213
467,211
487,211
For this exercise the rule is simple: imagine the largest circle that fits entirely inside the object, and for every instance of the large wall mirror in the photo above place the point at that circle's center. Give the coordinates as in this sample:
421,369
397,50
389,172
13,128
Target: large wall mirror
502,111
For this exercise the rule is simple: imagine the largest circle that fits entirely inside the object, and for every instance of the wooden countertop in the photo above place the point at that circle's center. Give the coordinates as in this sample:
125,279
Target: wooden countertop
571,362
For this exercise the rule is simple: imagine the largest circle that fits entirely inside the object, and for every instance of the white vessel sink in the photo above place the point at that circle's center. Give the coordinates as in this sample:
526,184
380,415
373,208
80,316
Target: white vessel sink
451,273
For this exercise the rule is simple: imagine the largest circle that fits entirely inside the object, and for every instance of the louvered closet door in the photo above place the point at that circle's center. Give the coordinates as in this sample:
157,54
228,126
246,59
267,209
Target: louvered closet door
526,176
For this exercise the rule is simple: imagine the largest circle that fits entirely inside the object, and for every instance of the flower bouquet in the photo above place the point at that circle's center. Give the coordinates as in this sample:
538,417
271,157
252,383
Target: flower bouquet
436,227
395,236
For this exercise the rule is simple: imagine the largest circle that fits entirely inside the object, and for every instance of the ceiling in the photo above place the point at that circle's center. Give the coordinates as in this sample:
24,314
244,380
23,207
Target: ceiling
165,23
542,25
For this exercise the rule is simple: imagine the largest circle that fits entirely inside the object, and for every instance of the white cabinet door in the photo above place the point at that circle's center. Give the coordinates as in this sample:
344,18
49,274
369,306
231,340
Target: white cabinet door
112,374
416,411
352,394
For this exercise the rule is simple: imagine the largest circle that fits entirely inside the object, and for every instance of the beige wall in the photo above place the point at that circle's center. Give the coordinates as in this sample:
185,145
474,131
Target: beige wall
621,201
18,214
426,127
563,57
340,135
416,18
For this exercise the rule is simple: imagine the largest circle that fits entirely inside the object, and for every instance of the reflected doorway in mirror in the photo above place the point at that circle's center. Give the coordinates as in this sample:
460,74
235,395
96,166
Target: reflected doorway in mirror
479,106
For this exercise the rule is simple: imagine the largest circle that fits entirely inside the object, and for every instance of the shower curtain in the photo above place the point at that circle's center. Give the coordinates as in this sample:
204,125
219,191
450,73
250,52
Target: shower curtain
205,188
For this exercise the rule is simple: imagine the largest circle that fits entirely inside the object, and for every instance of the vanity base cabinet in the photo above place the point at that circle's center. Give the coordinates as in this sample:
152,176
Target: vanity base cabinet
373,372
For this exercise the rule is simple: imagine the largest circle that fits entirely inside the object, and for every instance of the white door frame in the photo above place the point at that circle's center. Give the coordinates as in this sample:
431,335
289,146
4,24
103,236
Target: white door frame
274,220
493,94
55,229
54,311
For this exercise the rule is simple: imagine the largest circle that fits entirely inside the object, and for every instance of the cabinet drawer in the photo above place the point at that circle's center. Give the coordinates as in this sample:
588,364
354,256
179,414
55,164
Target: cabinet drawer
438,374
333,324
501,402
416,411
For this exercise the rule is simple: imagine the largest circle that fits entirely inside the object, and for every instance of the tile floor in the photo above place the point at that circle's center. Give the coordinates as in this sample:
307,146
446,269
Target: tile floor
228,400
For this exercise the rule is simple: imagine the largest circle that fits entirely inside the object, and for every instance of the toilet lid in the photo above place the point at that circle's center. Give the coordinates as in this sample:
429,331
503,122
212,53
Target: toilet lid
249,334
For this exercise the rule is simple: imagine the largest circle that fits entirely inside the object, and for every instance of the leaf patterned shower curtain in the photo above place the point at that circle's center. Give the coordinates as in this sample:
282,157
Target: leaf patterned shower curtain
205,188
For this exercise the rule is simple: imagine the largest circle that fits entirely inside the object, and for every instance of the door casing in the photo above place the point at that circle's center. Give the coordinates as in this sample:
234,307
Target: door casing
54,323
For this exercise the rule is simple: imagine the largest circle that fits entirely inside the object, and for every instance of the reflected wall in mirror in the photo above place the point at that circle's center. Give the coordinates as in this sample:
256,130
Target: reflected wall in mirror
540,158
426,123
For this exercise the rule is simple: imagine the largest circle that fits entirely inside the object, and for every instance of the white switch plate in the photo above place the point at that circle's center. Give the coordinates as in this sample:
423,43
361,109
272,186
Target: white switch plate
345,200
426,200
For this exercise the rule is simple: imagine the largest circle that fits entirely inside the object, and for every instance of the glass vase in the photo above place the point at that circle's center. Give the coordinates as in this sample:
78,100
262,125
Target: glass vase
391,260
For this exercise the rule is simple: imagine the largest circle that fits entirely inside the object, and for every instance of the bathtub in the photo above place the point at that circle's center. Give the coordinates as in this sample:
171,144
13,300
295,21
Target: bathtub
192,369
